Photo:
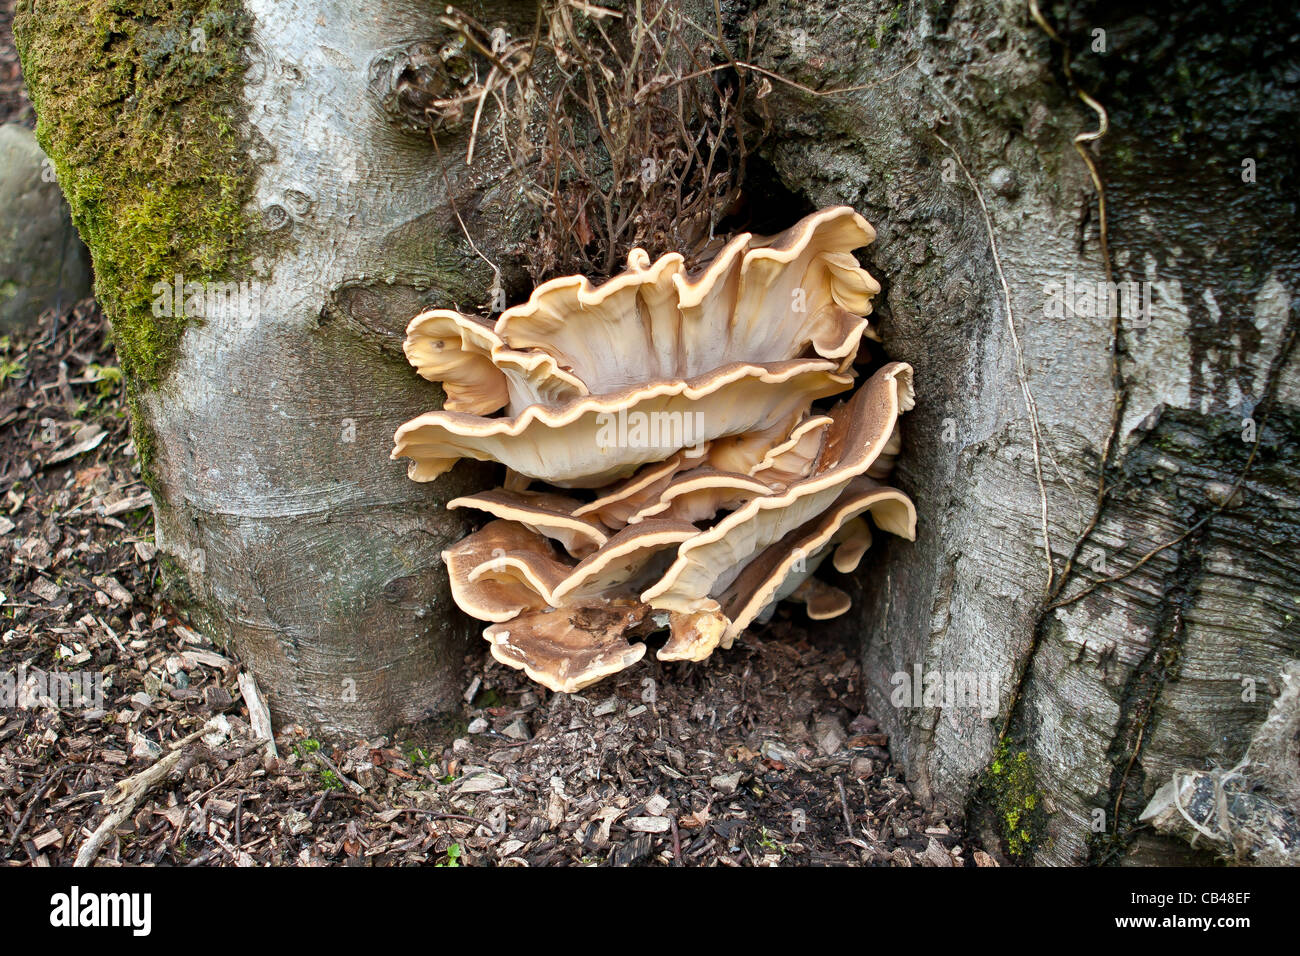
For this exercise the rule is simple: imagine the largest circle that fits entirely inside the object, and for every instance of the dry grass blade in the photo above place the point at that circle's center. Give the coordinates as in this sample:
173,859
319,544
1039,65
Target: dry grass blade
639,140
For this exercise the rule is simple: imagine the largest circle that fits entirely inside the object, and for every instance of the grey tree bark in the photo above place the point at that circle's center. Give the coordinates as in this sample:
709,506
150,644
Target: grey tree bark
285,526
319,559
1112,672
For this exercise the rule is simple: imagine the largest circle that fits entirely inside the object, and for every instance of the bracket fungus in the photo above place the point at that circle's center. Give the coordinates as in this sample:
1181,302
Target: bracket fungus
684,477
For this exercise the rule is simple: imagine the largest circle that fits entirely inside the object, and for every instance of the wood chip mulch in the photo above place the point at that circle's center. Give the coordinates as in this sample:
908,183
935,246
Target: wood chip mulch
759,757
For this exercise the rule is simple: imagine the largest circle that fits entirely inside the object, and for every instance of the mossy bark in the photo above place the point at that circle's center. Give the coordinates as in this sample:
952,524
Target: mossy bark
139,108
243,147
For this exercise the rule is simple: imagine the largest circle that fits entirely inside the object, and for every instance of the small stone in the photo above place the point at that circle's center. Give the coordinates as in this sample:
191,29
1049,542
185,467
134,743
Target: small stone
477,726
296,822
472,690
460,745
142,748
830,736
43,261
726,783
862,767
830,743
517,730
776,751
1004,182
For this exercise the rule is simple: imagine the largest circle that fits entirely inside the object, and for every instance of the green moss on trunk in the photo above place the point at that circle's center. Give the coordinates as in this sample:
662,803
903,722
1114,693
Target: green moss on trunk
1010,789
138,107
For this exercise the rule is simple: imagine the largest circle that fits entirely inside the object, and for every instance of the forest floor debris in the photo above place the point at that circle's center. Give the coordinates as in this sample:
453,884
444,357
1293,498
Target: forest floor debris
761,756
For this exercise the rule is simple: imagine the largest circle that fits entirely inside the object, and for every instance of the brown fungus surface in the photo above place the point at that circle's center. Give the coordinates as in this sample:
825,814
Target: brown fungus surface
668,466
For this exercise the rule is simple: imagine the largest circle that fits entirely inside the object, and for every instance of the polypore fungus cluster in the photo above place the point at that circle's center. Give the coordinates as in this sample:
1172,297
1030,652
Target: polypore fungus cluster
688,481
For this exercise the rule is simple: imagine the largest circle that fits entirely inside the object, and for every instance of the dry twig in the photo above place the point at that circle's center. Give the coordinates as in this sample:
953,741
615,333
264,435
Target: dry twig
126,795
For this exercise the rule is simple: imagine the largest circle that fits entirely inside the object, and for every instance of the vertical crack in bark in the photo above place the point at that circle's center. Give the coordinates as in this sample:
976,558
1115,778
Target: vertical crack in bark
1116,372
1141,692
1132,724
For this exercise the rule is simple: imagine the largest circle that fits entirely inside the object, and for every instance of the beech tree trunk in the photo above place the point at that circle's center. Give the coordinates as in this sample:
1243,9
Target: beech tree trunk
284,525
269,425
960,151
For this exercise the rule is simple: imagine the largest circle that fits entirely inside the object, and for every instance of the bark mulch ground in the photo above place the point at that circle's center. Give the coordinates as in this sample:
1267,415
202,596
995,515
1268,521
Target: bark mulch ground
761,756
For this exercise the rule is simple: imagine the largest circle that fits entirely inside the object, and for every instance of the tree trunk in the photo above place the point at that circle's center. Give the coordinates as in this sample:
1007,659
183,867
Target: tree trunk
286,145
265,425
963,139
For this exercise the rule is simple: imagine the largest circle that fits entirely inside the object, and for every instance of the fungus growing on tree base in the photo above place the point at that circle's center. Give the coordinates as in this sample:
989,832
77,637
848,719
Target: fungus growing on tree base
692,482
